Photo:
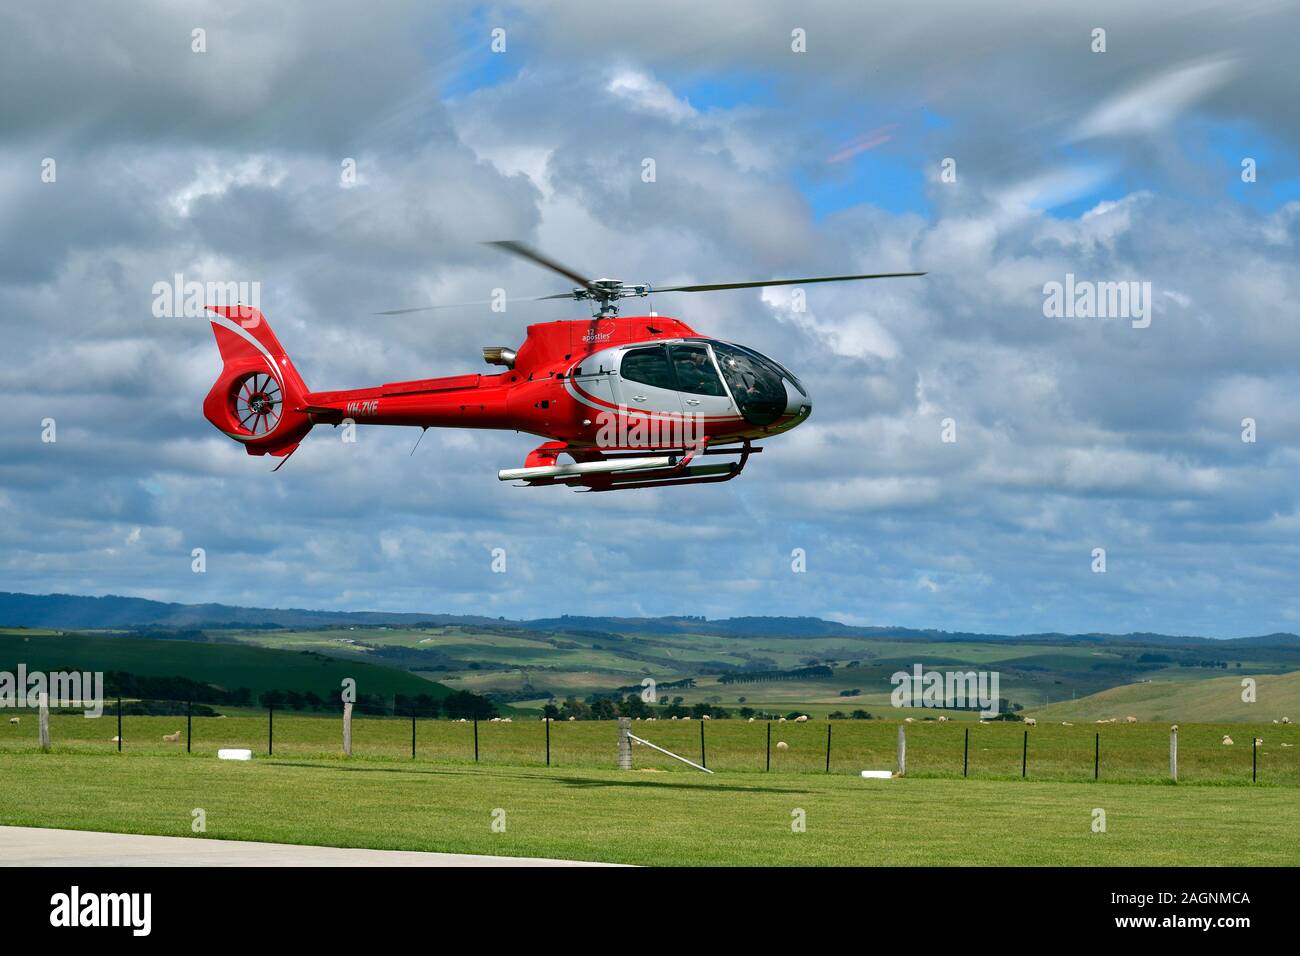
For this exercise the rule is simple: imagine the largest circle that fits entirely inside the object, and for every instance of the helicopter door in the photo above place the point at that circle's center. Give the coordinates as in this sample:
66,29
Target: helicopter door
702,391
646,382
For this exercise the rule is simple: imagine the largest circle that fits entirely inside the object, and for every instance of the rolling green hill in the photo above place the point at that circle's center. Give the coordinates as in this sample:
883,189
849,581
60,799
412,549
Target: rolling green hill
226,665
1216,700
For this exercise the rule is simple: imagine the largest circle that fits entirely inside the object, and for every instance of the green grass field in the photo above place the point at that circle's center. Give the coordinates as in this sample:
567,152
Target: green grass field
653,818
1129,752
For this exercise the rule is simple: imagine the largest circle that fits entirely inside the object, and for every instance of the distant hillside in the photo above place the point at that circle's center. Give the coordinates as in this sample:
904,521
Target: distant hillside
113,612
1217,700
229,666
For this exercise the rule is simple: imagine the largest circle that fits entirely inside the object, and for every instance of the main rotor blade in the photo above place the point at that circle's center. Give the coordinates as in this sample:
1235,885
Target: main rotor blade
464,305
525,251
718,286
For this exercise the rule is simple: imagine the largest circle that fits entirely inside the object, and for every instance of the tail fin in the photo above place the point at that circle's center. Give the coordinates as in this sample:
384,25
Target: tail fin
259,397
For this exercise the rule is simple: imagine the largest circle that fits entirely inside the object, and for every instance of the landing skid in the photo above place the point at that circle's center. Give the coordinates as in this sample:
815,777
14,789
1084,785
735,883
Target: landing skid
615,469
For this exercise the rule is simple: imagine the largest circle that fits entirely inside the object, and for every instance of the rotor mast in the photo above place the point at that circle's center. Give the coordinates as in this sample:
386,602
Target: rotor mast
605,293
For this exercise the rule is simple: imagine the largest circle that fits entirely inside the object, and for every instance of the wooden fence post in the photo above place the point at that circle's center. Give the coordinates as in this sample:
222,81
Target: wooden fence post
624,743
347,728
44,720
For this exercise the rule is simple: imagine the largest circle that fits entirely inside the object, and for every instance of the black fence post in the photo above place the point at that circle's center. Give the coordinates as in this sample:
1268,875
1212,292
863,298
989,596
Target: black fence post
119,725
703,762
547,721
1254,760
189,724
769,746
828,745
965,753
270,731
476,740
412,734
1024,757
1096,759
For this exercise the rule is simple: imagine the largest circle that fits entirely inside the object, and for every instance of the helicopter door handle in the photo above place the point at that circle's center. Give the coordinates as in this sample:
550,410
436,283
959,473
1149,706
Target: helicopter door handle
638,398
692,401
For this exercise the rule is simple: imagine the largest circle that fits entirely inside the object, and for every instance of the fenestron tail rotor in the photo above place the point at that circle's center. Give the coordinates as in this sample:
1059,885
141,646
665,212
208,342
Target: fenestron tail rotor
605,293
258,403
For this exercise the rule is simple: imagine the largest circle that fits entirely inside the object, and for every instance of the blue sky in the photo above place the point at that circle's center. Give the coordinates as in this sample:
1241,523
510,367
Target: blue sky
1071,435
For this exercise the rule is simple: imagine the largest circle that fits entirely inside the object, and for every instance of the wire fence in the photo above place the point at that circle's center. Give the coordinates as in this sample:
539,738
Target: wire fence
1207,753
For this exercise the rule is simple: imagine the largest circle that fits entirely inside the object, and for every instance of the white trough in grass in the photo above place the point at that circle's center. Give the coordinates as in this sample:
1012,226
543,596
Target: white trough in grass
234,754
877,775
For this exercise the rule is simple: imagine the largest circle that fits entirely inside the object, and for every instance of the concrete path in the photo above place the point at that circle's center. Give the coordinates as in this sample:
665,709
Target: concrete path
31,846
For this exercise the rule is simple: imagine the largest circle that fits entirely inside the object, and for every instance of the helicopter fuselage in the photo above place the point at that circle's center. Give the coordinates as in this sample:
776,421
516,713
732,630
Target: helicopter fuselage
634,401
612,383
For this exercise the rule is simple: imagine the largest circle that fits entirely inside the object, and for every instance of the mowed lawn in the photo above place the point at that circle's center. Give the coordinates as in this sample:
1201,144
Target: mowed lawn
1128,752
648,817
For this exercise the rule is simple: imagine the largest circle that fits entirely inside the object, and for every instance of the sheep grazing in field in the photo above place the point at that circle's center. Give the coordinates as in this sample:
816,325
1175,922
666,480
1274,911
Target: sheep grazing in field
706,717
1066,723
1286,720
1275,720
114,740
1259,741
507,720
172,738
1286,745
943,719
751,720
983,721
782,745
801,718
1031,722
13,720
1227,741
1130,720
573,718
907,720
780,720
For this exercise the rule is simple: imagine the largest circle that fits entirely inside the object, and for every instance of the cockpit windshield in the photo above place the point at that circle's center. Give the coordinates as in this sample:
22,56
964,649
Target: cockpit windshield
756,382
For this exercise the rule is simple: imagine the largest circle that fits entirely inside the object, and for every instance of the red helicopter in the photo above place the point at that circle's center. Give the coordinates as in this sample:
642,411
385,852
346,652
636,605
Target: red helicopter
633,401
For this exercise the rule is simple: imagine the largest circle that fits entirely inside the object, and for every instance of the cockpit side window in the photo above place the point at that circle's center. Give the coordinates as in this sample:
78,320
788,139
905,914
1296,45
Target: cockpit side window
649,366
695,372
755,382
